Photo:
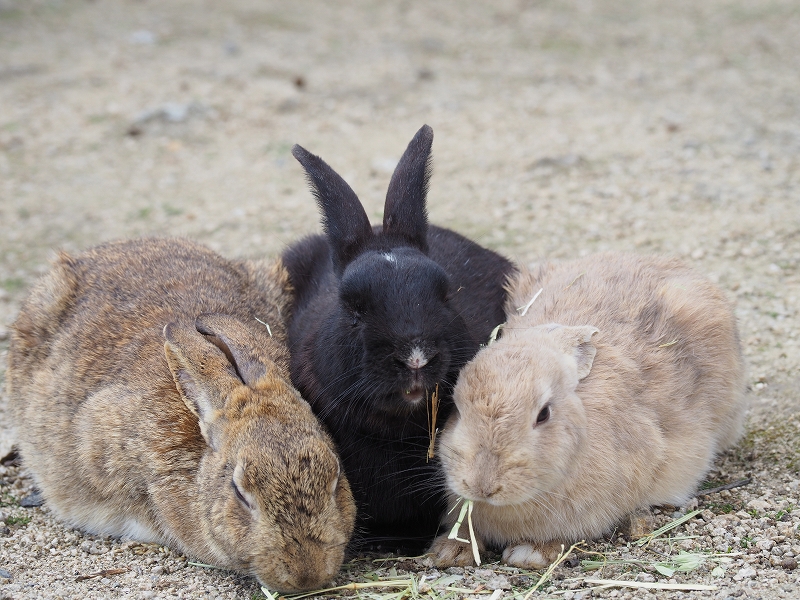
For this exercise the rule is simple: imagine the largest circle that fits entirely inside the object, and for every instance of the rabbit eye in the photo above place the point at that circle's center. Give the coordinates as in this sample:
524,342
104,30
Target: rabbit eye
240,496
543,415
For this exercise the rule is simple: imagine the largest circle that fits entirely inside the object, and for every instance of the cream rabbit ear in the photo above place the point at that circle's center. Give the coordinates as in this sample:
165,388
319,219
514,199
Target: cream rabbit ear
203,375
576,342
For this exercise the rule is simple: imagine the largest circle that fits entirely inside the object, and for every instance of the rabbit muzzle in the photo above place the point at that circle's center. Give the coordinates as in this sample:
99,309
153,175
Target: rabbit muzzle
482,479
416,361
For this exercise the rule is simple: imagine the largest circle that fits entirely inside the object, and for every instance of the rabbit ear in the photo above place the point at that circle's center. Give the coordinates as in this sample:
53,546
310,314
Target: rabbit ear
343,217
576,342
245,351
203,375
404,214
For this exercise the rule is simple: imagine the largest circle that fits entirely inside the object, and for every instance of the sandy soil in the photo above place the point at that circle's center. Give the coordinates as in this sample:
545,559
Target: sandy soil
562,128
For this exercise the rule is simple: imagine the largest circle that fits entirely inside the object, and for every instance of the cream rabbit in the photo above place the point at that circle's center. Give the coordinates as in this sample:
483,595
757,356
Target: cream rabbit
613,391
149,402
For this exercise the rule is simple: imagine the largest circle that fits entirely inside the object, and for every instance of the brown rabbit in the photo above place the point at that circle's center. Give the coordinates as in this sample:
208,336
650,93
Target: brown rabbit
612,391
152,401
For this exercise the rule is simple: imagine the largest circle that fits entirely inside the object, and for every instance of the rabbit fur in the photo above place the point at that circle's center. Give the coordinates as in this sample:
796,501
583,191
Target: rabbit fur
381,317
612,393
150,403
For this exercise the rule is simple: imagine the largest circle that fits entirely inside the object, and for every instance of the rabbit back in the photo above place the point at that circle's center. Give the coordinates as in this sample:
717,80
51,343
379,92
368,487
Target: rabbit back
674,325
477,279
88,309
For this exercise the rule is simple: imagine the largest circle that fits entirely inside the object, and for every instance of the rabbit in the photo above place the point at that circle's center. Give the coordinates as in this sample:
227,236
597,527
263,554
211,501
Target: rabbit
149,402
612,393
383,318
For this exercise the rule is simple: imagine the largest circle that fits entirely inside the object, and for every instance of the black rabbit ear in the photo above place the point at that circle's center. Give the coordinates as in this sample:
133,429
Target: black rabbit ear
404,214
343,217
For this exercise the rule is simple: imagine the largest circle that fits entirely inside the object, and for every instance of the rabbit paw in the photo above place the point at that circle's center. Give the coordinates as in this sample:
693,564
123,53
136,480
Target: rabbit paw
451,553
532,555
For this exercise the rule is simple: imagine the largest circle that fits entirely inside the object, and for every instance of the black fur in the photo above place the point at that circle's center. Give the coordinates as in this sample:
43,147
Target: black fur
364,300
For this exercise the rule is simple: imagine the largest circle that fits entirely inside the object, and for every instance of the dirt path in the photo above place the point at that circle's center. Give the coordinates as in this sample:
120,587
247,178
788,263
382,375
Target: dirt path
562,128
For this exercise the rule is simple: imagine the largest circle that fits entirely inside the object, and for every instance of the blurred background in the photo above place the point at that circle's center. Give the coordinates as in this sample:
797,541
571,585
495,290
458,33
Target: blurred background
562,128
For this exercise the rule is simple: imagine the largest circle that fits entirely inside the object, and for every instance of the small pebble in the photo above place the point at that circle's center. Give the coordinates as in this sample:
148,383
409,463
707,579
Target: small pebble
32,500
765,545
498,582
745,573
758,504
790,564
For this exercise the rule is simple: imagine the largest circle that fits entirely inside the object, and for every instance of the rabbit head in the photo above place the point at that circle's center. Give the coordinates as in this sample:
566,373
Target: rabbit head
392,331
395,306
274,501
519,424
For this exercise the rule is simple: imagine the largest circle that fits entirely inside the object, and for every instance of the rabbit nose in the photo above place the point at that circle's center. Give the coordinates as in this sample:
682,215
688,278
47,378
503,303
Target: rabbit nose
488,490
417,359
483,490
488,483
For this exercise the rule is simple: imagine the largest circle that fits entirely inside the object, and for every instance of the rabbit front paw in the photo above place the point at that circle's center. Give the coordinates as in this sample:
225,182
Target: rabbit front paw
452,553
532,555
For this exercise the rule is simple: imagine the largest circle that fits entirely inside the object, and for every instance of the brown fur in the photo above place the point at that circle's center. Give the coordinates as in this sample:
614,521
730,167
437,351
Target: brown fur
644,379
127,434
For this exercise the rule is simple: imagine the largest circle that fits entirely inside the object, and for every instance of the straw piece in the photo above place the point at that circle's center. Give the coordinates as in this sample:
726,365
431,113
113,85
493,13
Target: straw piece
525,308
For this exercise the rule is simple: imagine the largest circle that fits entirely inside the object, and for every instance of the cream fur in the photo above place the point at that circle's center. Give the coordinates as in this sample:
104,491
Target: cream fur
663,395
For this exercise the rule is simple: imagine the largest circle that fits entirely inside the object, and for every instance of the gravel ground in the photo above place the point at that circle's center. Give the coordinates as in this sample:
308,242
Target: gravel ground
562,128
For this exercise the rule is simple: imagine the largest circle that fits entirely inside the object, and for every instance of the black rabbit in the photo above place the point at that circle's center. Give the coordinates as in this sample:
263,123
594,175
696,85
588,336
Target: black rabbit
381,317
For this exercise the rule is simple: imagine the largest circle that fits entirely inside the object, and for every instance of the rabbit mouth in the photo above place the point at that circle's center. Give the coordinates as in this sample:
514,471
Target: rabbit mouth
414,394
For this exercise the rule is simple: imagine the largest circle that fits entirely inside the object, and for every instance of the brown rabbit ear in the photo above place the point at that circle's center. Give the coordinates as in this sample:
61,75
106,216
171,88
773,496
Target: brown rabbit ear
574,341
244,349
203,375
404,213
